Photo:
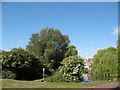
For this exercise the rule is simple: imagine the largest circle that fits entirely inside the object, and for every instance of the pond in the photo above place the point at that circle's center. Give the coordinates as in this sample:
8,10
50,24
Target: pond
87,78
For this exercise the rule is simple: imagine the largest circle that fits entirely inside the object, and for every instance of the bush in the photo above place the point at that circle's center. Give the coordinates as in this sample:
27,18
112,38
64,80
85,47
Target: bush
6,74
57,77
22,63
72,69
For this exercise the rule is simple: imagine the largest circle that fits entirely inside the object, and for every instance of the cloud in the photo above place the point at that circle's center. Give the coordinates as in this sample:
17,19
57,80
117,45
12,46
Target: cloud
115,31
79,51
19,41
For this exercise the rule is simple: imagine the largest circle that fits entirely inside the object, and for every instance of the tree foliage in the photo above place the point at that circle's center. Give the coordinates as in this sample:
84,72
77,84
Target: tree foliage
20,62
0,63
71,51
49,46
118,46
105,63
72,68
7,74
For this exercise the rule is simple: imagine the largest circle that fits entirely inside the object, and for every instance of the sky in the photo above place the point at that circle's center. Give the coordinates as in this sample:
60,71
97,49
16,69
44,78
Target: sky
60,0
90,26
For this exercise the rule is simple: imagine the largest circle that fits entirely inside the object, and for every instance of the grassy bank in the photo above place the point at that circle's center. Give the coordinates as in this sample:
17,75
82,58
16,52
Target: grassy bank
10,83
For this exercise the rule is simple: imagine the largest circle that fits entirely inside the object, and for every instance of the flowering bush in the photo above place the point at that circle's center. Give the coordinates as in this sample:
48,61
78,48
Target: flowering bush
72,69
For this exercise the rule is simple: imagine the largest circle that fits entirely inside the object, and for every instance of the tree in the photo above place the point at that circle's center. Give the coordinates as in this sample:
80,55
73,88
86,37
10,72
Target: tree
22,63
49,46
72,68
118,47
0,62
71,51
105,63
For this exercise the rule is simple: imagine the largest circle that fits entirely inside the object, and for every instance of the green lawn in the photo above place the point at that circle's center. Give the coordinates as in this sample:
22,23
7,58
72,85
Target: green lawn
10,83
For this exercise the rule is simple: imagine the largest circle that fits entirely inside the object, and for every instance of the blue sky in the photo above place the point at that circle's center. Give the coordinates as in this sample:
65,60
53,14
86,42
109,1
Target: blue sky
90,26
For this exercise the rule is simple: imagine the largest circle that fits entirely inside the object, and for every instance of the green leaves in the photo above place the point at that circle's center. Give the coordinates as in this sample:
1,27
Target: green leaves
49,45
72,68
20,61
105,63
71,51
118,46
6,74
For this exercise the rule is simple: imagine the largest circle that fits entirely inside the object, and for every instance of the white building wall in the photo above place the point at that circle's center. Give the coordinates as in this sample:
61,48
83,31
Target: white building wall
85,62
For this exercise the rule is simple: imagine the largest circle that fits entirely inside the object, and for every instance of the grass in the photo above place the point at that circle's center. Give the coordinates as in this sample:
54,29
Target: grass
10,83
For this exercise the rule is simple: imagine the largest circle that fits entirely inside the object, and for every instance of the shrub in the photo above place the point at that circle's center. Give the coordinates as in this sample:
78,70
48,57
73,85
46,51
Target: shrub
57,77
22,63
6,74
72,69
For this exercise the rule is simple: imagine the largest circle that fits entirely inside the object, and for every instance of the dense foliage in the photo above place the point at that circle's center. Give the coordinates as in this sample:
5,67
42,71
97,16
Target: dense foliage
105,63
71,51
56,77
22,63
0,63
7,74
118,46
72,68
49,46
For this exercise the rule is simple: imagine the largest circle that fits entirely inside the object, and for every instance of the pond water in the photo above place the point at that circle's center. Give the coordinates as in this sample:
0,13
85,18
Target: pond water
87,78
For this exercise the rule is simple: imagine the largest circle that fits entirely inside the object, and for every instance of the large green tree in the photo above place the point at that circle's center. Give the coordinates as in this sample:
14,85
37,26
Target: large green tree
71,51
118,46
0,62
105,63
49,46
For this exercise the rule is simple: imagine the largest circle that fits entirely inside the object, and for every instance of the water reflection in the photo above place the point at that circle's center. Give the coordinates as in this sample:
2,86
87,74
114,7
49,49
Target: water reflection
86,78
89,78
97,78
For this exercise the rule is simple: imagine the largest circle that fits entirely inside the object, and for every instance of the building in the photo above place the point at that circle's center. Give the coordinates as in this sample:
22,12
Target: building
87,62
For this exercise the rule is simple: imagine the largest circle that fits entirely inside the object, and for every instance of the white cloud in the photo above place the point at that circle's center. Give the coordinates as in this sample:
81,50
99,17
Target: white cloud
79,51
115,31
